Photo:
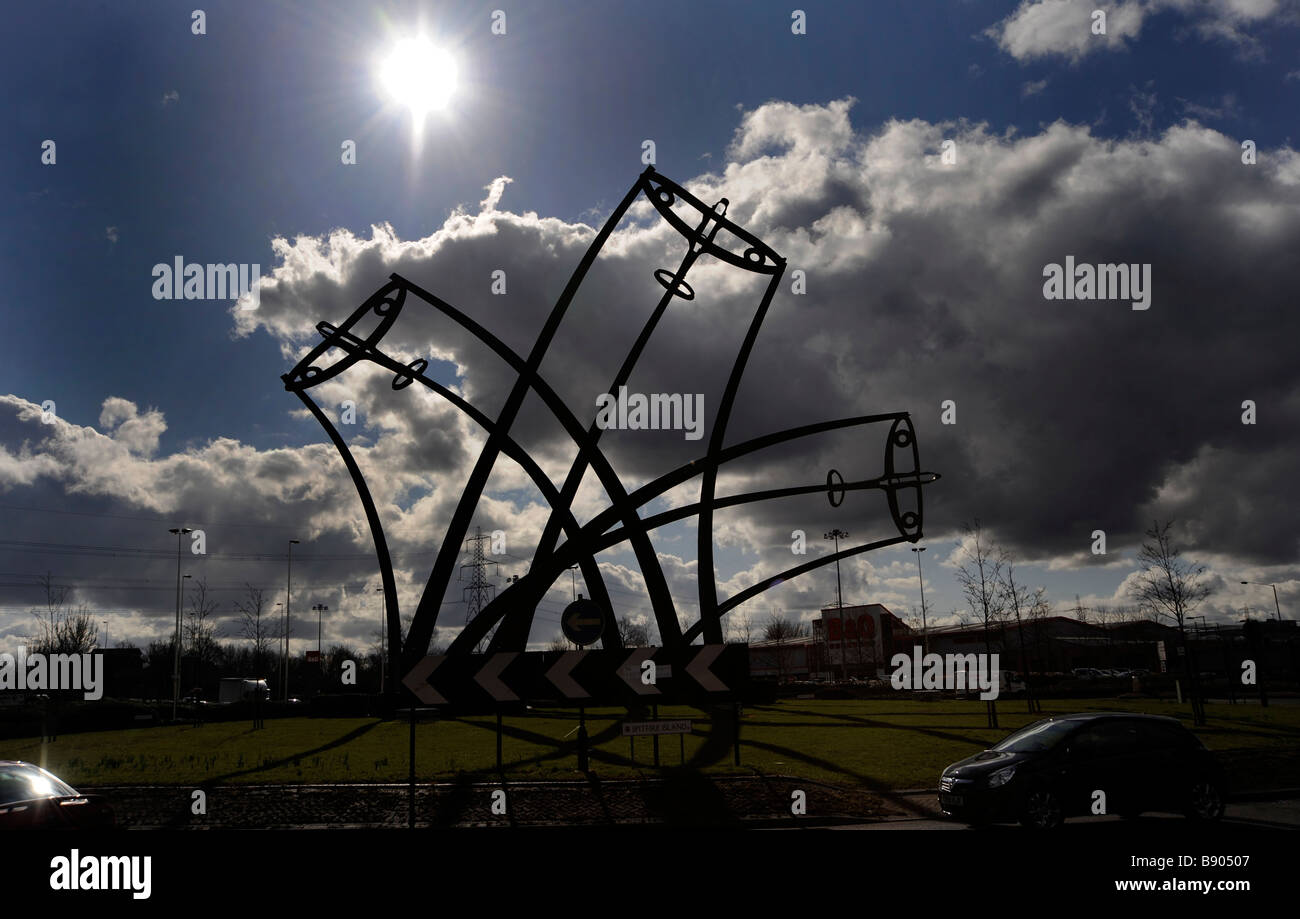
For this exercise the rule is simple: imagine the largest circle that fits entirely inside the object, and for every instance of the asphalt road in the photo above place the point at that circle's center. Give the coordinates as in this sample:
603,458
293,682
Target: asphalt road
1279,814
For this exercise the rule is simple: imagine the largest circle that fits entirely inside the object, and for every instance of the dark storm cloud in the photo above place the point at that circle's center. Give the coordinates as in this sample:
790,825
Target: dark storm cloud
924,283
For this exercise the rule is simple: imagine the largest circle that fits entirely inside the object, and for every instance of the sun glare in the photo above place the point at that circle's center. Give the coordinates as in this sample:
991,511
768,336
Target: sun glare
419,75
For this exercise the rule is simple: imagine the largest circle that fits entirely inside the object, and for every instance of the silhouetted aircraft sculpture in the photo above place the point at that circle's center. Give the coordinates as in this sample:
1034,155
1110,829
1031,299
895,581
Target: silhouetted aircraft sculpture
512,611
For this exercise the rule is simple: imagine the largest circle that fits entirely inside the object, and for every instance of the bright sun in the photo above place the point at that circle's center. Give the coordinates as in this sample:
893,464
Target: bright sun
419,75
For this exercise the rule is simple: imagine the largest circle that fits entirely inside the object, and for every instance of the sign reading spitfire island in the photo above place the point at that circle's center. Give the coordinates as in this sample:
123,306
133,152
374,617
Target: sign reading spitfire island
508,674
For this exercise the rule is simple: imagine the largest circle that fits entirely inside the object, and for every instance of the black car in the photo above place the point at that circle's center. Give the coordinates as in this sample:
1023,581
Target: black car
32,798
1053,768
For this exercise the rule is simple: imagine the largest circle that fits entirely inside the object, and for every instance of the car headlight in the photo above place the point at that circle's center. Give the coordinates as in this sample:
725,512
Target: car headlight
1001,777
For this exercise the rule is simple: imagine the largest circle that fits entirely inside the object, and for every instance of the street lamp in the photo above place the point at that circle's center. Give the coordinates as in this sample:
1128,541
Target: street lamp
320,609
925,636
838,534
176,656
288,613
1275,603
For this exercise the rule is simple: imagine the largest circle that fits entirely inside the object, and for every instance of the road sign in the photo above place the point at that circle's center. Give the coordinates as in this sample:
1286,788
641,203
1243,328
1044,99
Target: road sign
631,672
630,676
582,621
561,675
661,726
489,677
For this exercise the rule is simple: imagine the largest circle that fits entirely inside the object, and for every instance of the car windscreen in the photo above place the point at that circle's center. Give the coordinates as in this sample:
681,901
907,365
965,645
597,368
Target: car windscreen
1042,735
22,783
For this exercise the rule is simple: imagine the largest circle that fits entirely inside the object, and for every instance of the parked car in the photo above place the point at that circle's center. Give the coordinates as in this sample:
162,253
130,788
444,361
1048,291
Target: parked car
32,798
1052,769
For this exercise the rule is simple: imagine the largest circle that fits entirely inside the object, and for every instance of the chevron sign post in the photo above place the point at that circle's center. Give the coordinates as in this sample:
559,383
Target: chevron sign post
483,683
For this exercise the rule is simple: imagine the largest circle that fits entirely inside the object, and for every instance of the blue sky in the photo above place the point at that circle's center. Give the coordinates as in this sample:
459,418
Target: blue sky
210,146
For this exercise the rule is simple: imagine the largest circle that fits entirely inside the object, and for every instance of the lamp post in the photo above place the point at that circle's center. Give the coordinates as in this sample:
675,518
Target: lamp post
320,609
288,614
838,534
1276,605
176,656
925,633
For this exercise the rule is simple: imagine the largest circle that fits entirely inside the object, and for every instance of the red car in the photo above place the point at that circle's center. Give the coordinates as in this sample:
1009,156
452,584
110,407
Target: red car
31,798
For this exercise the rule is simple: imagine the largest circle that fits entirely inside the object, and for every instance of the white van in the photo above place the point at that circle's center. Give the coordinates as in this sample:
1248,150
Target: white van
241,689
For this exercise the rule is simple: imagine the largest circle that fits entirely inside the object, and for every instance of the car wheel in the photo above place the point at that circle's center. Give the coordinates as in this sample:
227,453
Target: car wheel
1205,800
1042,810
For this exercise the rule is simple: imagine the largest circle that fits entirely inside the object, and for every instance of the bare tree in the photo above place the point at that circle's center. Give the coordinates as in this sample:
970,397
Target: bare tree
980,576
60,628
781,631
1020,600
1107,618
261,632
633,634
1168,585
683,620
741,628
254,626
200,635
778,628
1038,613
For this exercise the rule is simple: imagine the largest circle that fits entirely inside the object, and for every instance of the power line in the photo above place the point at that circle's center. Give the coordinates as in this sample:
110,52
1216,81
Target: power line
51,510
55,548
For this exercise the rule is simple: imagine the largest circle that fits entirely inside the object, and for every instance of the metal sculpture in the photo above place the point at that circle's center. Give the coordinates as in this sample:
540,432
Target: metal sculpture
513,609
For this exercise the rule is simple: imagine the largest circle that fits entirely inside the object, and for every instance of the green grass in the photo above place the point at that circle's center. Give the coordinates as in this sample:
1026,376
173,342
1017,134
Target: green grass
876,744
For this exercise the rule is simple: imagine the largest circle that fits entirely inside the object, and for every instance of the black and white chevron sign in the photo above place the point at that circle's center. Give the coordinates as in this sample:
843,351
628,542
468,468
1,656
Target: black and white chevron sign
488,682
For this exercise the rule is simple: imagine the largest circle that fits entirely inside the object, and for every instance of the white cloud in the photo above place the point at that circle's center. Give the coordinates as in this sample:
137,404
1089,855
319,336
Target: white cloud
138,433
1042,28
1046,28
924,284
948,257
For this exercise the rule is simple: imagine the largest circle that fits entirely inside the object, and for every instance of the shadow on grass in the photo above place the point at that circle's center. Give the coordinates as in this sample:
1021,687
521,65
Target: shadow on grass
860,721
294,757
694,795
